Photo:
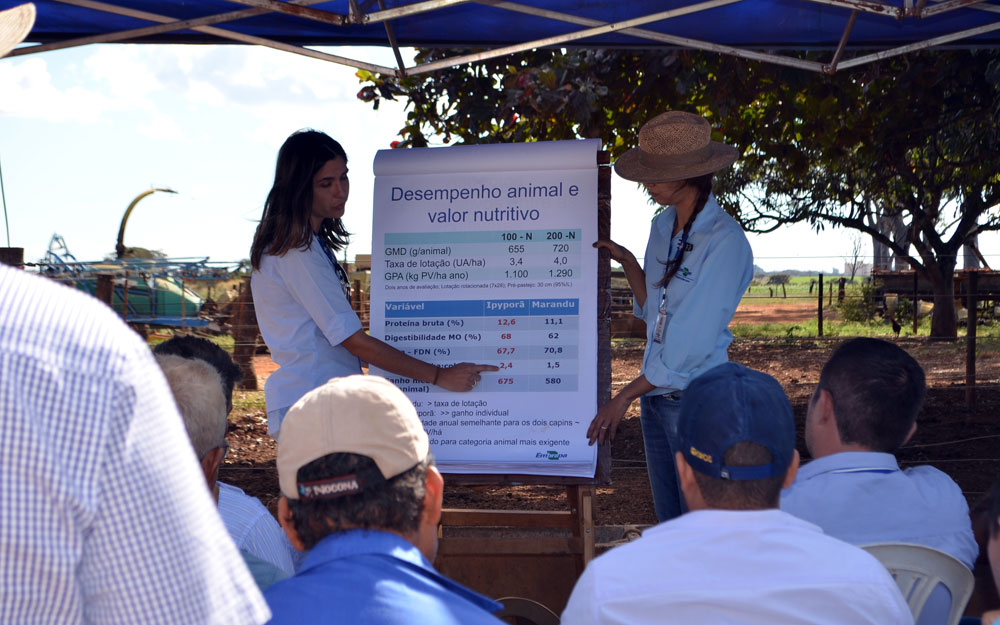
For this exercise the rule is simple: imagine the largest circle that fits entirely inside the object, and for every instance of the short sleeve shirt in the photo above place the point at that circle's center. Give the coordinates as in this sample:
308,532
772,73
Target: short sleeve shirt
304,316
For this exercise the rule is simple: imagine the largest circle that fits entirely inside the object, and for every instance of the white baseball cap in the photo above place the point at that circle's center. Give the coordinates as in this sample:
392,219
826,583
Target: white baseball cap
360,414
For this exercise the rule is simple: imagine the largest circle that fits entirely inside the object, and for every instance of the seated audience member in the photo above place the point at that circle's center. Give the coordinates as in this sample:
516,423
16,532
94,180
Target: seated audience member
198,391
864,409
735,558
103,515
992,513
360,491
248,522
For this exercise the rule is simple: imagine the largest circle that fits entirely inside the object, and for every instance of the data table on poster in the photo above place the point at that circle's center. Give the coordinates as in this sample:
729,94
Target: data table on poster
483,256
535,342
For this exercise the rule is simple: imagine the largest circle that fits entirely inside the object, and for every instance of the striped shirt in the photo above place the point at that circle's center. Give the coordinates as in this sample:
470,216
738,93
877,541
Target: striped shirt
104,514
254,530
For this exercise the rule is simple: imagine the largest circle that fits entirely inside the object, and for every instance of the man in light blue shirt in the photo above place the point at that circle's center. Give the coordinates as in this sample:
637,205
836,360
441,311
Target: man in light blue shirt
250,525
862,411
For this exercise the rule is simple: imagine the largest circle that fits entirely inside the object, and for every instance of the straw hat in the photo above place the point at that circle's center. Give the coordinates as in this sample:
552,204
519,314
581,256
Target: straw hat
15,24
674,146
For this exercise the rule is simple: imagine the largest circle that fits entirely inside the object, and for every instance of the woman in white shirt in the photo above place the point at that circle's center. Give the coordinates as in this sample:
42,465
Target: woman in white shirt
300,291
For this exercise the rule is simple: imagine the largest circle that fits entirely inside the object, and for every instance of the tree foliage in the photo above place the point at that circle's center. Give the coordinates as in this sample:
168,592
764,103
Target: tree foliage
914,137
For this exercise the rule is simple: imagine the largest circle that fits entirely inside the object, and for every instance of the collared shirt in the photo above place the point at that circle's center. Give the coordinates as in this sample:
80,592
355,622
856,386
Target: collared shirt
264,573
253,529
701,298
864,497
104,514
304,317
750,567
367,577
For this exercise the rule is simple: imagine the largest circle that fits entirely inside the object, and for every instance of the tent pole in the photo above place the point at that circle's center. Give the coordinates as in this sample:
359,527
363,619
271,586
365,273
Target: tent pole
580,34
832,67
391,36
683,42
410,9
868,7
235,36
146,31
317,15
951,5
936,41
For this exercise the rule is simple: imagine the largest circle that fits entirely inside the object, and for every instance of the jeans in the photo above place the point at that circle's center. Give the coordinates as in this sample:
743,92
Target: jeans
659,436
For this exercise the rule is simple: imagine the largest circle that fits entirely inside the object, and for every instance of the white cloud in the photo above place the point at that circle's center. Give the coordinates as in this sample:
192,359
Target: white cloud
29,91
124,73
160,127
204,92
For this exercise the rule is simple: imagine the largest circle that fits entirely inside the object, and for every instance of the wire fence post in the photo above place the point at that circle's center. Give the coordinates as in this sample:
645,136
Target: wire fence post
245,336
916,300
105,287
971,319
125,298
819,307
183,303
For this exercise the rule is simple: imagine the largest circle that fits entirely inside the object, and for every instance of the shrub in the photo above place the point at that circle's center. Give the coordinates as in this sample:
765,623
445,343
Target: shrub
859,305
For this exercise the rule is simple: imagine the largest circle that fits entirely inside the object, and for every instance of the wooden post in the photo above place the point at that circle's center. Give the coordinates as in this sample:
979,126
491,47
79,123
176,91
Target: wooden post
819,306
603,306
13,256
105,287
841,290
245,336
125,298
916,300
970,340
183,304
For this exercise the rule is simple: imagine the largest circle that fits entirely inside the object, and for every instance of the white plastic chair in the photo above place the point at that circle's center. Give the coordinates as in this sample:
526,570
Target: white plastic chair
918,569
522,611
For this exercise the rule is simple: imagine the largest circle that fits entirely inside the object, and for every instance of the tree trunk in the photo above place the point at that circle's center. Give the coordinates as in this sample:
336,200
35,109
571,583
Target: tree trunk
944,321
969,258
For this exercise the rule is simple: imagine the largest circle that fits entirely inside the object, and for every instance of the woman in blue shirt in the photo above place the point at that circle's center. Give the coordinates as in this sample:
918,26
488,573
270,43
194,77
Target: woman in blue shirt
697,266
300,291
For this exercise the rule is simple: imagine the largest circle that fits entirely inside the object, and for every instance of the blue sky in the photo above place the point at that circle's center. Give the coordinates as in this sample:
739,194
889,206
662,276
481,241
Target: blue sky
83,131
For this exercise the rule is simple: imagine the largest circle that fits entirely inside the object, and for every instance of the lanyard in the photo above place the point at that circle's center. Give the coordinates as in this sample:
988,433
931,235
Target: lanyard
674,260
661,316
341,274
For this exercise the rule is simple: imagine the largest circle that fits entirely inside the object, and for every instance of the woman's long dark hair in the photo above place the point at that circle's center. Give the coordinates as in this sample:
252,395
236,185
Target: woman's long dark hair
703,184
285,222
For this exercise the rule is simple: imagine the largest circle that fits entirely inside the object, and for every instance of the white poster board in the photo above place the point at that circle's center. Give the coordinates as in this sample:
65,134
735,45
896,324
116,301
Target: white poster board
483,254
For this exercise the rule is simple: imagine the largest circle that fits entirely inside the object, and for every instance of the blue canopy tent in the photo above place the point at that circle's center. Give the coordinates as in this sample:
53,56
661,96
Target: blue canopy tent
757,29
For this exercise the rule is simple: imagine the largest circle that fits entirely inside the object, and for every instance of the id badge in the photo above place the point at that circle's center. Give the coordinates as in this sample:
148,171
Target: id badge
661,324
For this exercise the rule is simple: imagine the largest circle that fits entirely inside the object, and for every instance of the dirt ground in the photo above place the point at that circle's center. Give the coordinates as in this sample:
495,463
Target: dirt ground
795,312
961,442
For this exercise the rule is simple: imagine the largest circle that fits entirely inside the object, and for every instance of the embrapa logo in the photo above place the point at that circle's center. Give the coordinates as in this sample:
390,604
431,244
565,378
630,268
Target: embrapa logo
552,454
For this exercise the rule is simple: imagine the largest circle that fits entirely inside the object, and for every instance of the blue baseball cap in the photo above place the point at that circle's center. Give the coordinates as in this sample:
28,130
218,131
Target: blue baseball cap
730,404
